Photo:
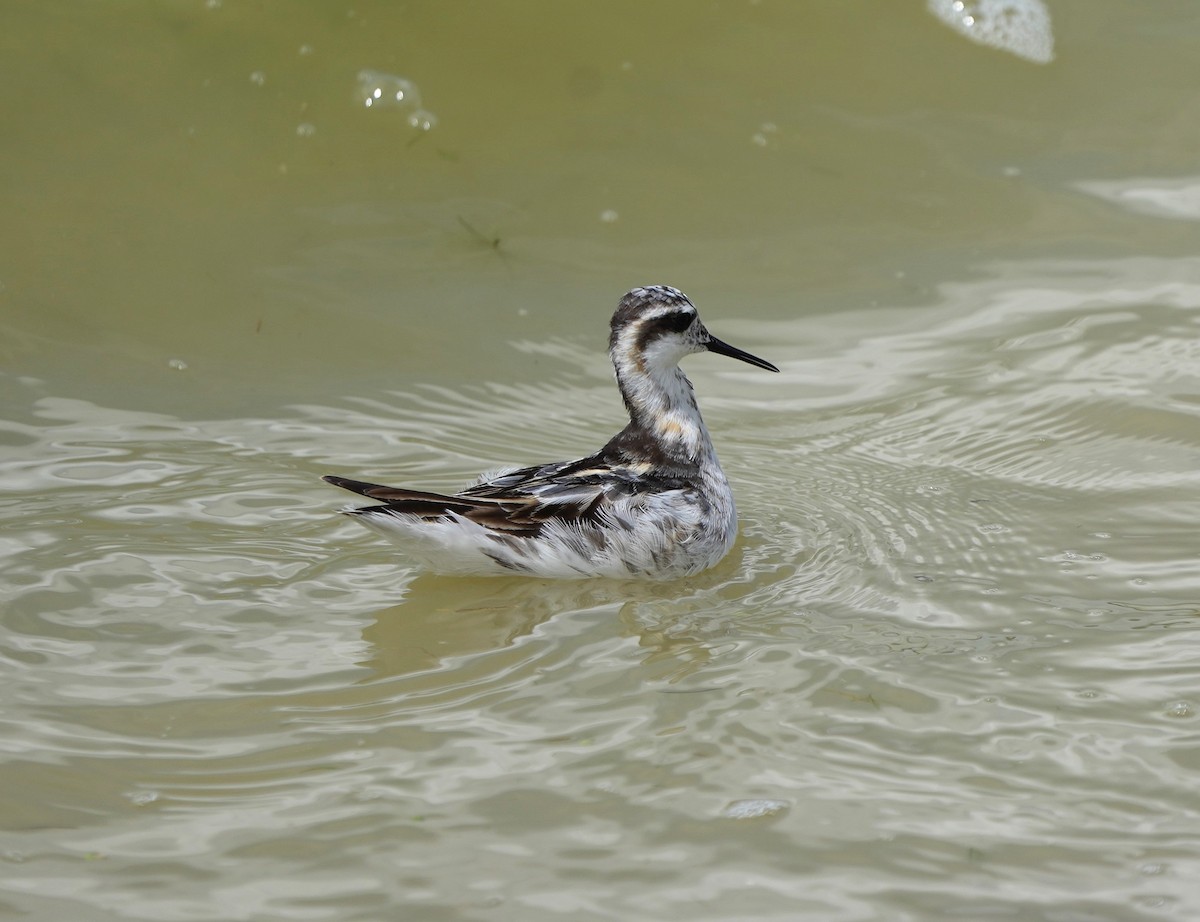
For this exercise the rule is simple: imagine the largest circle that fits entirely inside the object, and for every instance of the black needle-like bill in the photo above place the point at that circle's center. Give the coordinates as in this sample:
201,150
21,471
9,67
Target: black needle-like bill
723,348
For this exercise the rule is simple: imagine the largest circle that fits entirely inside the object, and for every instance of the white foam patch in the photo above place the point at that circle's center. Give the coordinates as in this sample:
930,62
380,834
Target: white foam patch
1021,27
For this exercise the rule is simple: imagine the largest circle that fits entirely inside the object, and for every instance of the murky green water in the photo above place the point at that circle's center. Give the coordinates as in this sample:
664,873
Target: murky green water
949,672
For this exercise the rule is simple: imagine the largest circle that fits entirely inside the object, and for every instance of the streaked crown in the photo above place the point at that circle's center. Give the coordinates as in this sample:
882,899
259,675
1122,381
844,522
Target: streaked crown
649,313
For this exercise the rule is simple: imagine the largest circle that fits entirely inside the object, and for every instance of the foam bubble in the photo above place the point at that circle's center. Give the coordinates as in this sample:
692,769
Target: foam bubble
379,90
422,119
1020,27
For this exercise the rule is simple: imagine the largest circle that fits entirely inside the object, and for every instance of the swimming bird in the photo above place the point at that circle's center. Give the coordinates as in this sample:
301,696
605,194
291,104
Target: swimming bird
653,503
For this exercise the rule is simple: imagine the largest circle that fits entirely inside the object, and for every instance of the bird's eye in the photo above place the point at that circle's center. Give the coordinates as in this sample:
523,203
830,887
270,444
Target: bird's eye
677,322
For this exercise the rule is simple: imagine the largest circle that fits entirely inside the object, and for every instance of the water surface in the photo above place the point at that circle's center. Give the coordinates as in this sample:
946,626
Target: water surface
947,673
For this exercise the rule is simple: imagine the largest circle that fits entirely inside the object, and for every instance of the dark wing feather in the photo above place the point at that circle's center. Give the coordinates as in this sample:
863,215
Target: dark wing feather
516,512
388,494
519,503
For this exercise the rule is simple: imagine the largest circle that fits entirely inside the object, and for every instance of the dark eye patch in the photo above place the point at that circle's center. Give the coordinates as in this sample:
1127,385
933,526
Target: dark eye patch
676,322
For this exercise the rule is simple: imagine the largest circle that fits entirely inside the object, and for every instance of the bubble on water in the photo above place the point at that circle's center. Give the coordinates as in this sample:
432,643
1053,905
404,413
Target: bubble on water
762,137
379,90
305,50
177,364
609,216
1179,709
142,798
755,808
306,130
258,77
1020,27
422,119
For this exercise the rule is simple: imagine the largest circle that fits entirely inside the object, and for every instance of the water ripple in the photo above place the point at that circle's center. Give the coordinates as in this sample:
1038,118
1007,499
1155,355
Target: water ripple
952,644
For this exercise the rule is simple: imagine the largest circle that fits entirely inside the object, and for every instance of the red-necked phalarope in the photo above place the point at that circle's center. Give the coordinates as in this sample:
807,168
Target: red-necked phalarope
652,503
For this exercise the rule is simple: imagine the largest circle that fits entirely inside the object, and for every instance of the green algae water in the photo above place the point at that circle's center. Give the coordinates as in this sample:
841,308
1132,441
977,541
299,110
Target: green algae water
950,669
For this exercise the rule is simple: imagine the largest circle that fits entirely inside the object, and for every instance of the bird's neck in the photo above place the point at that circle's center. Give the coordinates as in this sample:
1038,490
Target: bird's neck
661,404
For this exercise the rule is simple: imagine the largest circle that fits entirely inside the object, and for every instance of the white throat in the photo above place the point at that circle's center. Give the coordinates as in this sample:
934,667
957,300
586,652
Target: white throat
660,400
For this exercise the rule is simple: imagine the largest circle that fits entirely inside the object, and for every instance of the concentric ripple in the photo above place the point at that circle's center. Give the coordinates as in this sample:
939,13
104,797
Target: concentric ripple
953,644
